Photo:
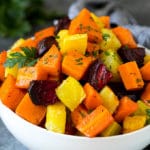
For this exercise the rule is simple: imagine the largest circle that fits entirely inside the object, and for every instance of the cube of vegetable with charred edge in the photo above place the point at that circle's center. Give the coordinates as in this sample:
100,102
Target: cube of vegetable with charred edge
95,122
131,76
109,99
132,123
70,92
42,92
97,75
56,117
132,54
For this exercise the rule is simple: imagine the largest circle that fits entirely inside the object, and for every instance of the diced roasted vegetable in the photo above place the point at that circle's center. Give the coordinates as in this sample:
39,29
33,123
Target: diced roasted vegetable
45,44
132,54
126,107
92,99
29,111
132,123
94,123
97,75
70,92
62,24
42,92
109,41
75,61
77,42
112,61
120,91
112,129
56,118
142,108
109,99
131,76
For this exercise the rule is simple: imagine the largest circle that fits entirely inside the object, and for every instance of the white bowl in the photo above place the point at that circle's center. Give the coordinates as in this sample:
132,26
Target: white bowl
37,138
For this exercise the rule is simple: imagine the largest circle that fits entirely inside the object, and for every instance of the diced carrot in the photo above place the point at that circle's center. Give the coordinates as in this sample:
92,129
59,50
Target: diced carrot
51,61
94,123
93,98
84,23
146,94
145,71
78,114
27,74
131,76
92,47
10,95
75,64
49,31
31,112
125,36
105,20
3,56
126,107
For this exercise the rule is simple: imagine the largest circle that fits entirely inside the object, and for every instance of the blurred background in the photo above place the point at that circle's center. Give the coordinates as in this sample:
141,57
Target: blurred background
21,18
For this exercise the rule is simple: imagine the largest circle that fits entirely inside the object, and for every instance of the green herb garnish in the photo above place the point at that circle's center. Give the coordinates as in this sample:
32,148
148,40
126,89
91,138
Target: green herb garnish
106,36
106,53
79,61
27,57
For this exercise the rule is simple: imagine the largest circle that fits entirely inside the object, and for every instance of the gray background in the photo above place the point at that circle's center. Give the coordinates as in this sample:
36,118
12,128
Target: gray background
140,9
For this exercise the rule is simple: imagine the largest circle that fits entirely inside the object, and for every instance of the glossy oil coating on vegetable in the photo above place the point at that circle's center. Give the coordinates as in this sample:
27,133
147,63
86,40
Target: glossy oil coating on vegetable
79,77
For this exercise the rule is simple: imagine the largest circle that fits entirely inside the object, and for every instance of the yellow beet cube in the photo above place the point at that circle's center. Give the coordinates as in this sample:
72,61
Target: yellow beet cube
70,92
132,123
110,41
56,117
76,42
109,99
113,129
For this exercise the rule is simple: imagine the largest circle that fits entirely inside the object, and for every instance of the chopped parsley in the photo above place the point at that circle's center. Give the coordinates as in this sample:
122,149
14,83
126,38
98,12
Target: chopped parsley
27,57
106,37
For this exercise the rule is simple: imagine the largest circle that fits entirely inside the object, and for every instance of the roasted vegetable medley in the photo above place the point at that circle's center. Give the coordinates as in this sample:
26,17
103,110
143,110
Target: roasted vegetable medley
79,77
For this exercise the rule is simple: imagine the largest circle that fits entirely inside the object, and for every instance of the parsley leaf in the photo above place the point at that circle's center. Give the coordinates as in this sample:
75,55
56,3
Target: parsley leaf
106,36
27,57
